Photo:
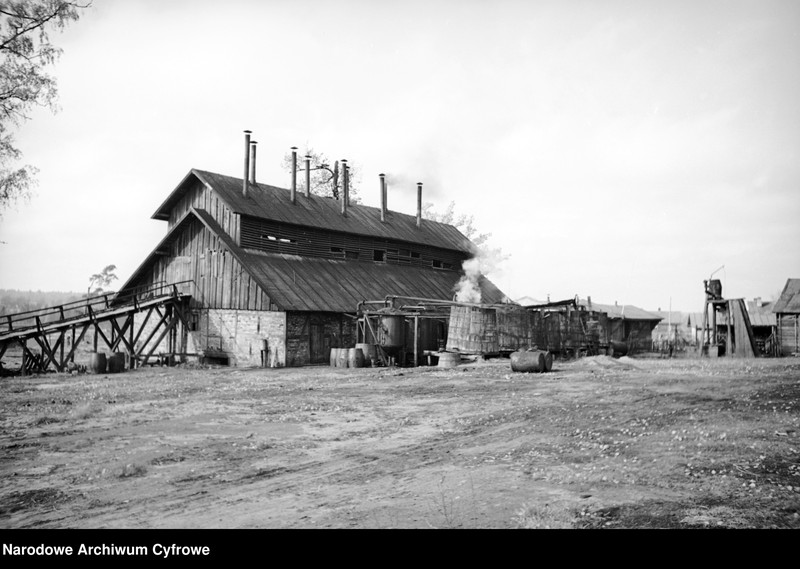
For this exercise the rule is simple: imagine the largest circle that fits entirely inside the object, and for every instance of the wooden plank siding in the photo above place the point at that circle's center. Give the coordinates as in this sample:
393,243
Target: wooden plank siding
220,281
272,236
789,334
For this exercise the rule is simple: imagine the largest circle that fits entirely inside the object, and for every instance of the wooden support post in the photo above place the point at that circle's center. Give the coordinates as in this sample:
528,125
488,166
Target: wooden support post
131,349
141,328
160,337
149,337
729,344
71,355
416,341
22,369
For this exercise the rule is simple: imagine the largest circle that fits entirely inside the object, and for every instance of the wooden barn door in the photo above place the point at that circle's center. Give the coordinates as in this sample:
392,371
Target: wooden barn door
319,349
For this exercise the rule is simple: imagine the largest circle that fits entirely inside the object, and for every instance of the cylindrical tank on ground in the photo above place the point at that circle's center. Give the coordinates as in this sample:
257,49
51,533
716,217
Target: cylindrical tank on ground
534,361
392,333
448,359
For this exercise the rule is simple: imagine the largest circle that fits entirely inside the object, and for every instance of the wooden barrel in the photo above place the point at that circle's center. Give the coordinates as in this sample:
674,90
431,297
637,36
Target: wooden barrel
548,361
341,357
528,362
449,359
334,356
355,357
116,362
97,362
370,352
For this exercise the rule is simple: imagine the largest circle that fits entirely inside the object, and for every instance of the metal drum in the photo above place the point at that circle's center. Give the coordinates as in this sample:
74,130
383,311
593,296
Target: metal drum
529,362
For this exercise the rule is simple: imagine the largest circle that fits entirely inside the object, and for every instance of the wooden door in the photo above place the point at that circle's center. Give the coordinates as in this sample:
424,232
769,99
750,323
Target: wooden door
319,350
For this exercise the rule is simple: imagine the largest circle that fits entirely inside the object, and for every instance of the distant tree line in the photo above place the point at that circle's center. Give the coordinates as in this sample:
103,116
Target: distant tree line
14,301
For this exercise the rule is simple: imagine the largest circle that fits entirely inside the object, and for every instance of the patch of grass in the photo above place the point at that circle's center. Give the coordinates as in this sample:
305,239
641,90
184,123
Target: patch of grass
44,420
543,517
86,410
29,499
133,470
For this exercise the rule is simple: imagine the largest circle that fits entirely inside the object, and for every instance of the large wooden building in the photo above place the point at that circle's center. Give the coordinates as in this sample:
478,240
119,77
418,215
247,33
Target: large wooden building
275,276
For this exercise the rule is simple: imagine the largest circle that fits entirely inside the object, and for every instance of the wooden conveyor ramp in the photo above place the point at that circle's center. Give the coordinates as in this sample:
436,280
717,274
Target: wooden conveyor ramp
58,331
744,340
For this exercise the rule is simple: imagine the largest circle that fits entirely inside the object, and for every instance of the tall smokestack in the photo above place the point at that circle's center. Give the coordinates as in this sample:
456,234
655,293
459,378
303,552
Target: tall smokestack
294,174
383,197
246,161
346,192
308,176
419,204
253,162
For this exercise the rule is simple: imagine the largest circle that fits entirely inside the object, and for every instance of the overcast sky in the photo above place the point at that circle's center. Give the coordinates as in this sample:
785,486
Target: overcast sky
622,150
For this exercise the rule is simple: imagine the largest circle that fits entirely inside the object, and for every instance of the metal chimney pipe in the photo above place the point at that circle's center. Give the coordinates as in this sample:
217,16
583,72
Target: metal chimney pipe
294,174
346,196
308,176
246,161
253,162
419,204
383,197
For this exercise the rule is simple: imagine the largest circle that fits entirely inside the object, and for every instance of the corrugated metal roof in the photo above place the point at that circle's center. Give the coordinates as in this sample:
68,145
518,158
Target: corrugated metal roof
318,284
273,203
328,285
789,302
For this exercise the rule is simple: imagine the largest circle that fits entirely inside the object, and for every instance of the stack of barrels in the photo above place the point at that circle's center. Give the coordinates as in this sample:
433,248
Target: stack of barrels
532,361
360,356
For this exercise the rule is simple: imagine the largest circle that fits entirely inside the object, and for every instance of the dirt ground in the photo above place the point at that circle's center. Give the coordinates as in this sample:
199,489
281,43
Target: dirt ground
596,443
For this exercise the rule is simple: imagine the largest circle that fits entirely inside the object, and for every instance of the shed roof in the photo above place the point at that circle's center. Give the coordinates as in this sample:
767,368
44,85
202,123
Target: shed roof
274,203
789,301
622,311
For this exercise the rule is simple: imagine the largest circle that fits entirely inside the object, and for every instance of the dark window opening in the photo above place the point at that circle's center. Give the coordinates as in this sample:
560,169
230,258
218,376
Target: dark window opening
437,264
414,255
379,255
336,250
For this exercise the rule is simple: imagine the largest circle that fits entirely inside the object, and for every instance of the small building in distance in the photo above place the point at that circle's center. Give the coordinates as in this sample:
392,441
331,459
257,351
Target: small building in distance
627,323
787,319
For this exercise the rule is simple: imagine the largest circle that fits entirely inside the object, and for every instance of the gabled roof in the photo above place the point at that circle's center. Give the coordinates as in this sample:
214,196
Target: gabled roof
274,203
622,311
789,301
328,285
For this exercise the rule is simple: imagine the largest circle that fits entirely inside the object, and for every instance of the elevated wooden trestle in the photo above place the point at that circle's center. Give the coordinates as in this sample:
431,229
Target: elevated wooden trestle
51,329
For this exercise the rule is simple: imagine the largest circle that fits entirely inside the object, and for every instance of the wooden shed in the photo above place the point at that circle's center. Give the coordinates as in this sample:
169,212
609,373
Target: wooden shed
787,316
